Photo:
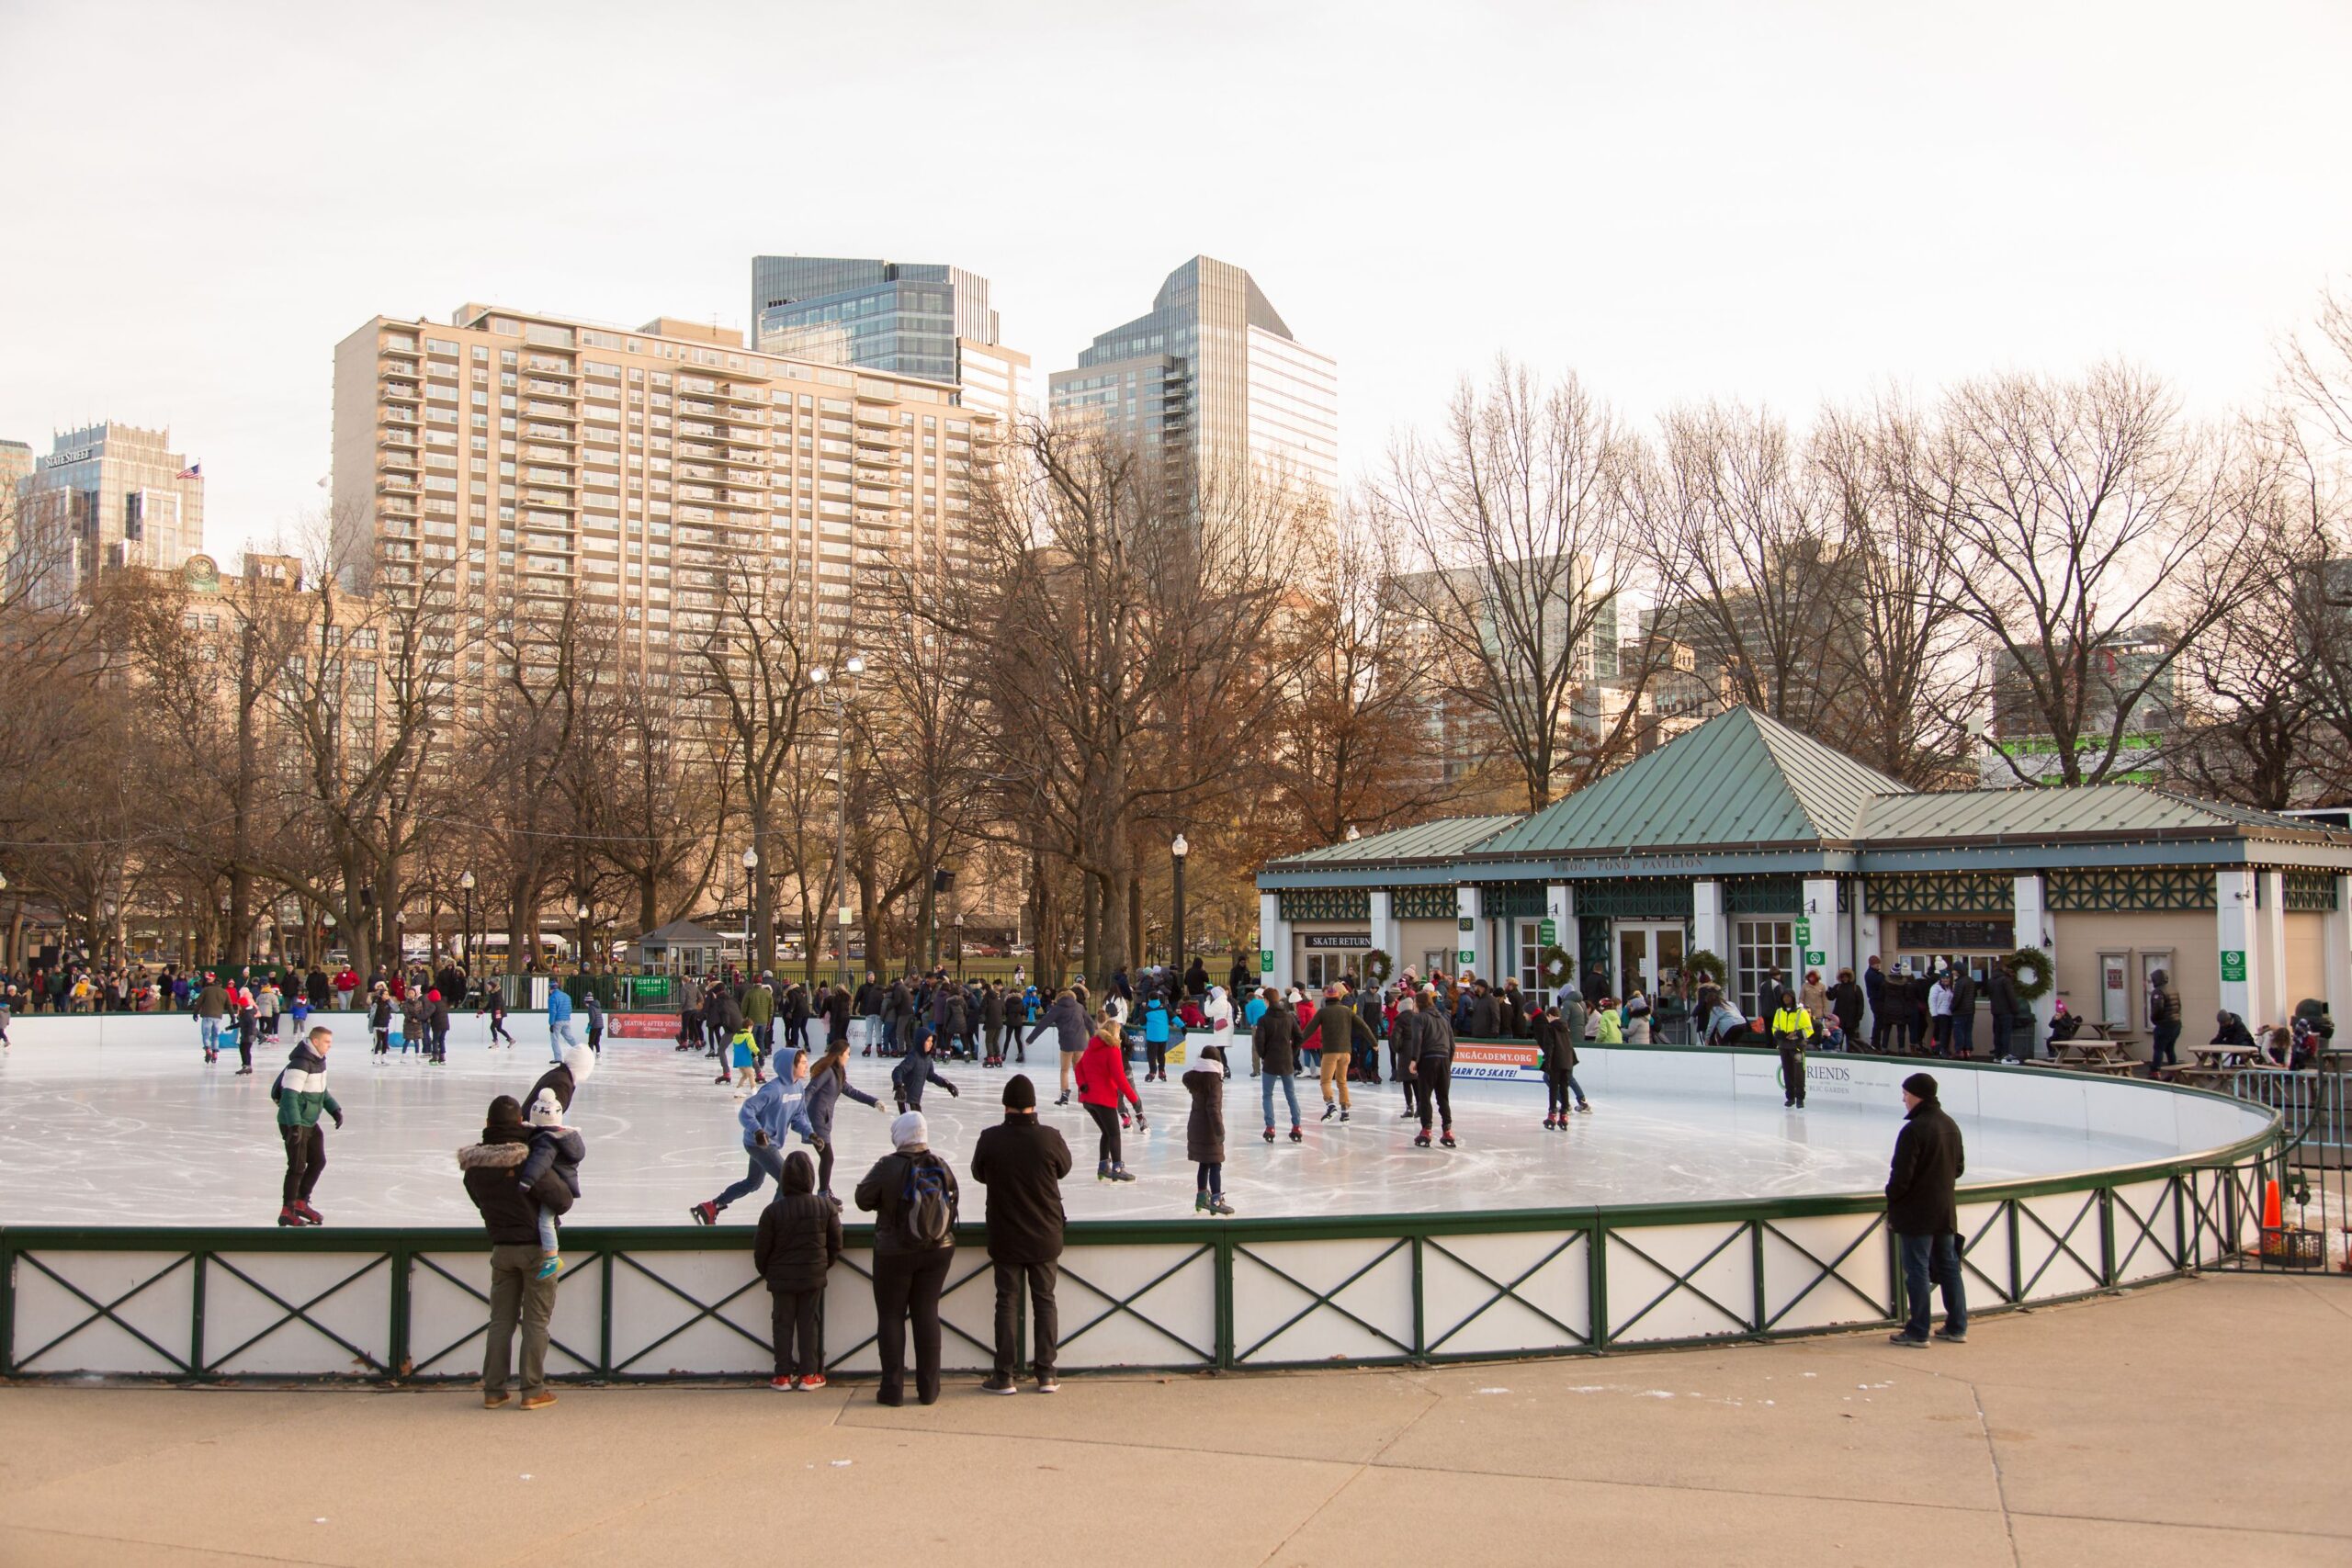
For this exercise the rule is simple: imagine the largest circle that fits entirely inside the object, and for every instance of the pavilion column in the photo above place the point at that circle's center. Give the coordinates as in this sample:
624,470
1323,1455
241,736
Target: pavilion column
1560,908
2033,928
1273,940
1826,949
2338,955
1471,942
2250,931
1384,929
2270,950
1709,930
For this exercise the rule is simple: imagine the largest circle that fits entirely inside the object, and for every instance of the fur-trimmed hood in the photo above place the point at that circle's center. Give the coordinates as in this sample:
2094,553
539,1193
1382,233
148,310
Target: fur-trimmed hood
492,1157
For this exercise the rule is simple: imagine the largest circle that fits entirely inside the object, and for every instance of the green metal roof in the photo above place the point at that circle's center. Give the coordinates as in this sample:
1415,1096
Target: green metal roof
1440,839
1738,779
2037,813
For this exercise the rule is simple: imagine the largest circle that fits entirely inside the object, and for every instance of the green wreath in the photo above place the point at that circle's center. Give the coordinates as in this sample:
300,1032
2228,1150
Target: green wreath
1558,967
1378,967
1700,965
2031,973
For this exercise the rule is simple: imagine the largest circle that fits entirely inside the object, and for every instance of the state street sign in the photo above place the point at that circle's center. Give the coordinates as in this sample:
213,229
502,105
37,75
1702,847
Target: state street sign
2234,964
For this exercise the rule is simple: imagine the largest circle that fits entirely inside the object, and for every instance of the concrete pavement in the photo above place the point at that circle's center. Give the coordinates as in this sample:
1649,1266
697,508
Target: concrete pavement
2195,1423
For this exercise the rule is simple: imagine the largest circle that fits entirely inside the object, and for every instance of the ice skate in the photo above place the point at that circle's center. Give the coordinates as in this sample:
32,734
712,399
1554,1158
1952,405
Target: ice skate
310,1216
1331,1109
1200,1202
1550,1123
1064,1099
1421,1139
704,1214
1296,1136
1270,1134
287,1216
1343,1115
1447,1138
1218,1205
1121,1173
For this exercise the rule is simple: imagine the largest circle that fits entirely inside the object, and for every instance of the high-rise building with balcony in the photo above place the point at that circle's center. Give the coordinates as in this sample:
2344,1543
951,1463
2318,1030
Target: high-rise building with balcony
919,319
1212,383
519,459
103,496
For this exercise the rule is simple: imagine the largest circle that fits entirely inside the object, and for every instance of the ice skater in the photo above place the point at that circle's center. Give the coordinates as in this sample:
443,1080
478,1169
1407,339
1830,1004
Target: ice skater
301,1092
1105,1089
559,1031
746,1057
1275,1044
555,1148
1066,1016
379,1023
779,1108
1205,1130
211,1005
1433,1068
1156,1030
498,1030
1337,1026
1404,1043
916,1067
248,1026
1557,1050
827,1086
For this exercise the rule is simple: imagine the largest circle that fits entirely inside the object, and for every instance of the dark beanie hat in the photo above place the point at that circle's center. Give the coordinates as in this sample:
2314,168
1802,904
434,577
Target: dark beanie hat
1921,1084
1020,1094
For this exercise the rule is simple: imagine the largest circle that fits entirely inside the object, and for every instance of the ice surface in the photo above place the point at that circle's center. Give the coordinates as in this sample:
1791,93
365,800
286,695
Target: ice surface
144,1133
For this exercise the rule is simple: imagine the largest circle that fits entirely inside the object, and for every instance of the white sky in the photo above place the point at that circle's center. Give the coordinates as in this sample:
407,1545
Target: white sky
1782,201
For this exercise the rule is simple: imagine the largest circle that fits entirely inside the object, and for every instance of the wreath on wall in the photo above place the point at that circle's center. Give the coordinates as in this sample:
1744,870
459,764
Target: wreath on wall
1378,967
2031,973
1703,967
1557,966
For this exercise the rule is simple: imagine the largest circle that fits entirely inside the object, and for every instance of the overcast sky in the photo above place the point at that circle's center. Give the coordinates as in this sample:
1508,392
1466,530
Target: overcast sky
1776,201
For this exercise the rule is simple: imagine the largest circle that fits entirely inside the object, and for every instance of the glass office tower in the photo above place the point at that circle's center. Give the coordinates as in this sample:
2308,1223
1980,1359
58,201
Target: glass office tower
899,317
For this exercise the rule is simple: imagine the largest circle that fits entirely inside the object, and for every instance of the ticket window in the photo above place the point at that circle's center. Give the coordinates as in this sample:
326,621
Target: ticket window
2115,989
1328,967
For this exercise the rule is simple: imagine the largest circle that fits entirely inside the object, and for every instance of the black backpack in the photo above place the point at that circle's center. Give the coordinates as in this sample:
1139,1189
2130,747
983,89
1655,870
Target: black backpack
926,1207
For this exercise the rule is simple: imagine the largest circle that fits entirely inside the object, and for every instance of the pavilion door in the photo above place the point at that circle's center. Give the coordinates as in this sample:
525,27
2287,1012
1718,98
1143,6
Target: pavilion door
1649,954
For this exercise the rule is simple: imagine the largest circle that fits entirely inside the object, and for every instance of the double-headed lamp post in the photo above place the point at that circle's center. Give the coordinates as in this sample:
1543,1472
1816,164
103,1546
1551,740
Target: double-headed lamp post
1176,850
757,934
466,885
853,667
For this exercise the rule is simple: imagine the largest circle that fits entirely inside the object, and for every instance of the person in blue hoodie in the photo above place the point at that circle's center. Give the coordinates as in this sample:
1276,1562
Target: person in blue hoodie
779,1108
1155,1035
560,1032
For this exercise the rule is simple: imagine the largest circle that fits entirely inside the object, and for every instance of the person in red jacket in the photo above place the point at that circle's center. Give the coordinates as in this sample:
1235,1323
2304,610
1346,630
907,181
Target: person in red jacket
345,983
1102,1086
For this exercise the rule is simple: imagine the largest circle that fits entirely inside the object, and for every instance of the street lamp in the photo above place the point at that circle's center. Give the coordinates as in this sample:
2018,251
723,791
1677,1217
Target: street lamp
756,928
959,946
466,884
1176,850
853,666
582,949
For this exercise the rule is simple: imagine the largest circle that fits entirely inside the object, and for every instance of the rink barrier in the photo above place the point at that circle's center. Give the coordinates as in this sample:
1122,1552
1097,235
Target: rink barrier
680,1302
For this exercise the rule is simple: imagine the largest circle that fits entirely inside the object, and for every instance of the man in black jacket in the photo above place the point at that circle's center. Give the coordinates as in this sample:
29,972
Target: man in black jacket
509,1215
1431,1069
2001,994
1923,1210
1874,989
1021,1163
1964,1011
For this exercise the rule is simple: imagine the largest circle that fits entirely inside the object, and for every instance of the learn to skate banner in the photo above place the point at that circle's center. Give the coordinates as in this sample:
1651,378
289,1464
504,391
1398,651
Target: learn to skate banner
1494,1060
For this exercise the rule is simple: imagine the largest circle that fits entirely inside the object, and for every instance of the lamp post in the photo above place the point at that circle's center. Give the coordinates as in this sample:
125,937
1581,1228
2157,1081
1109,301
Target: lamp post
959,947
1176,850
758,934
466,885
853,667
581,949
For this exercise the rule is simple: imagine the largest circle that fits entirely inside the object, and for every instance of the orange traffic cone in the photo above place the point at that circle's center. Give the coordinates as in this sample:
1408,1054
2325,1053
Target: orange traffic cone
2270,1221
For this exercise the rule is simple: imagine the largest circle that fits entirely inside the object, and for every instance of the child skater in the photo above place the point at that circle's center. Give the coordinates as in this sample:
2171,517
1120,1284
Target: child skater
915,1069
746,1052
498,1019
1205,1131
800,1239
379,1022
555,1148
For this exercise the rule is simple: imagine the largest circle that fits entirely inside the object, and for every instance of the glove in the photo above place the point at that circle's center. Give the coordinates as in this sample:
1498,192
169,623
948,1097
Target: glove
1140,1123
338,1120
953,1092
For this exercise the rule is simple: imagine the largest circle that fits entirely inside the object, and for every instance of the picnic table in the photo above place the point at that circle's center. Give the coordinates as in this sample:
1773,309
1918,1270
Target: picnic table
2095,1055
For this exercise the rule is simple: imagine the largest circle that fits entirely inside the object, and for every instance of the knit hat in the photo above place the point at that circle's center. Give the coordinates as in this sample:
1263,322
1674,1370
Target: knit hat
1020,1094
547,1110
580,1060
910,1132
1923,1085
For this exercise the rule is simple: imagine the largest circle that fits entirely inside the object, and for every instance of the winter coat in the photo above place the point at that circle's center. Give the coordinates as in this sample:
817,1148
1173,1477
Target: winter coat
1874,991
1204,1129
883,1195
566,1076
1335,1025
1155,1019
211,1002
1102,1075
1921,1188
1022,1162
822,1093
1846,1003
1555,1047
508,1213
1276,1039
558,1149
1484,1018
1069,1019
800,1234
2000,992
300,1089
558,1006
1432,1040
1963,995
759,1008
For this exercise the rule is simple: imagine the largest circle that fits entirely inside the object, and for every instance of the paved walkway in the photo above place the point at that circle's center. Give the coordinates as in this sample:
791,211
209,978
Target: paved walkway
2100,1433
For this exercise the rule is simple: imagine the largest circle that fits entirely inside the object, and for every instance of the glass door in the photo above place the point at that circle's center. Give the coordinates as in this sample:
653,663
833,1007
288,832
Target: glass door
1649,959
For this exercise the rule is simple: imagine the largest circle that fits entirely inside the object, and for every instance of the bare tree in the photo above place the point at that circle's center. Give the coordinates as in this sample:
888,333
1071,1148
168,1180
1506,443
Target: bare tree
1516,515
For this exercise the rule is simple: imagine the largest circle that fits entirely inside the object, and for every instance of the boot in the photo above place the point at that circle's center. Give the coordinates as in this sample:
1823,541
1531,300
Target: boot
1200,1202
1218,1205
1121,1173
1421,1139
287,1216
1331,1109
1295,1135
310,1216
1447,1139
1270,1133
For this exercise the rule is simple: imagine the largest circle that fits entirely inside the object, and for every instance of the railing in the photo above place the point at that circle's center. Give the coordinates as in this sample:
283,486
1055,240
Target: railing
679,1303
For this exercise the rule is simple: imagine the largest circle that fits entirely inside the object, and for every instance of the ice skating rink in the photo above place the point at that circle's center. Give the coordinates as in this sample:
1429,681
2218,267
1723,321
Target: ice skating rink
139,1130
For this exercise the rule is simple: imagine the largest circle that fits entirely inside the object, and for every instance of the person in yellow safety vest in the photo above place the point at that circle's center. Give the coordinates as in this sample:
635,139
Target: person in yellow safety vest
1792,1030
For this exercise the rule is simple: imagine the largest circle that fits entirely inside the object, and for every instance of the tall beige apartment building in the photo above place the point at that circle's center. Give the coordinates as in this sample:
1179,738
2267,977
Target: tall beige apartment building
521,459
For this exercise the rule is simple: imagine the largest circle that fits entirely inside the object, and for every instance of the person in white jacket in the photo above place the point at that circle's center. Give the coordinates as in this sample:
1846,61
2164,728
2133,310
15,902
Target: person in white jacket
1219,1013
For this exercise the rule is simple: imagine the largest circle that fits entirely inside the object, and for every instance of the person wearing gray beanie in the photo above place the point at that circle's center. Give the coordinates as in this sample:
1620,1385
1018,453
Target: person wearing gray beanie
911,1194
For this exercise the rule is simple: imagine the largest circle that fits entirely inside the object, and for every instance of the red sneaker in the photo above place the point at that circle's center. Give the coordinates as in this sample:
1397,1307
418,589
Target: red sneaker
783,1385
812,1383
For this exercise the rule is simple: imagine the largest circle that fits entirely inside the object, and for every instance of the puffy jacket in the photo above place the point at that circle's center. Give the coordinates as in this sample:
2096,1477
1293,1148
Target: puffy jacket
883,1195
1204,1129
824,1092
508,1213
1069,1019
1555,1045
759,1008
1276,1038
800,1234
300,1089
1022,1162
1155,1019
558,1006
1102,1075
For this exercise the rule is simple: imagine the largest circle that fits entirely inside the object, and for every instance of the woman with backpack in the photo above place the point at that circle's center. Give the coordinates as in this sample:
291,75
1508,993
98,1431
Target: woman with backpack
910,1192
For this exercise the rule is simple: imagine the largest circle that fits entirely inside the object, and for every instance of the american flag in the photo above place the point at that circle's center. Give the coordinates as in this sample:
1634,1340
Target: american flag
193,471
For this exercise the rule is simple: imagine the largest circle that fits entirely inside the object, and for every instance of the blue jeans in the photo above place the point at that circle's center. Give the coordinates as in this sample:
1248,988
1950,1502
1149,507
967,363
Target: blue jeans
766,1163
2167,1036
1933,1260
558,1036
1577,1088
208,1031
1266,1082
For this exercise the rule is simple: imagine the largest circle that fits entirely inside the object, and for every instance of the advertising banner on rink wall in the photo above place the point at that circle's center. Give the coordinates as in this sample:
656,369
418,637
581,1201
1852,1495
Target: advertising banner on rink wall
1496,1060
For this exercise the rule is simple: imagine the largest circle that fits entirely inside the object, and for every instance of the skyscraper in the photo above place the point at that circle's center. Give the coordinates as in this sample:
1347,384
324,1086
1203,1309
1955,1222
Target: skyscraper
922,319
1212,382
106,495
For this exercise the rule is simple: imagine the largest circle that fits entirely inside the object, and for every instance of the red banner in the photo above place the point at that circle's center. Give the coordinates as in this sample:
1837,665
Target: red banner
642,1025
